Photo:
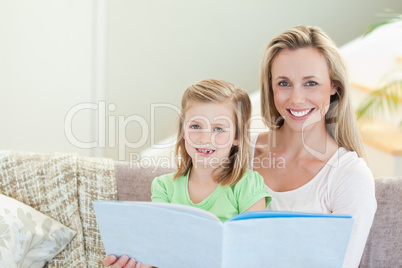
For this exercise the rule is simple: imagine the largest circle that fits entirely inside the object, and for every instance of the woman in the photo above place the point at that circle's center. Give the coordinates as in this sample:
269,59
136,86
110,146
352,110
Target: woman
311,159
314,134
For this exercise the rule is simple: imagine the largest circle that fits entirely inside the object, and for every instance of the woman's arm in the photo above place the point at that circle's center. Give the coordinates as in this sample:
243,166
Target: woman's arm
353,193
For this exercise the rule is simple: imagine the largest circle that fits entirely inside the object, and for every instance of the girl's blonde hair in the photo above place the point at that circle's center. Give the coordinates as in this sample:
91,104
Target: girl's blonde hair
340,119
218,91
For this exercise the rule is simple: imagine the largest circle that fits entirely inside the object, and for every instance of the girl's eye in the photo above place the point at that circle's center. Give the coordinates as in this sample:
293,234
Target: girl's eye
283,84
311,83
195,127
218,129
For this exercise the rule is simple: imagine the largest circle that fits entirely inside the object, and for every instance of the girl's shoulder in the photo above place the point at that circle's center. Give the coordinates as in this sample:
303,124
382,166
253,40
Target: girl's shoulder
165,178
250,179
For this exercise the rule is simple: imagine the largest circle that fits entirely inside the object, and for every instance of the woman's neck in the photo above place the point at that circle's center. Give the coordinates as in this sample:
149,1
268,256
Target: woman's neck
315,142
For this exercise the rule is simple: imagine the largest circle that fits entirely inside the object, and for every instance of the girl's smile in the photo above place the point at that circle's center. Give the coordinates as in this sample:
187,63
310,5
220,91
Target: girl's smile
205,152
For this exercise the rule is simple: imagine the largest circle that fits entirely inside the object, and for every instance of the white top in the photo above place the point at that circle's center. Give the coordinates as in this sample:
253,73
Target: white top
345,185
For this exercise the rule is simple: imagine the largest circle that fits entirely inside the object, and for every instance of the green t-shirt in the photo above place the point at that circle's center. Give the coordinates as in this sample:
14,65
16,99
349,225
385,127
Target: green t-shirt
224,202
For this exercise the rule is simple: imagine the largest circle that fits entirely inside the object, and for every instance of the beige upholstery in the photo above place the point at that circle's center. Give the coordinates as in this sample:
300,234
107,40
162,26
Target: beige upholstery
94,180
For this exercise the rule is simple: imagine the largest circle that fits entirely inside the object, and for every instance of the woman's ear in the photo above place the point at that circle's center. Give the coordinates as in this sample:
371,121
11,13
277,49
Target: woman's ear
334,88
235,142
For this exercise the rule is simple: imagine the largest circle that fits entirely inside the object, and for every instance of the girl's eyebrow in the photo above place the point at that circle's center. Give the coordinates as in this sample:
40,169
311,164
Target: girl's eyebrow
213,124
220,125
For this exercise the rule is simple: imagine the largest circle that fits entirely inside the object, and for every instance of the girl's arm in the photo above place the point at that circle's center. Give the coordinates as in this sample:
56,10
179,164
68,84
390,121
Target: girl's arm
251,193
259,205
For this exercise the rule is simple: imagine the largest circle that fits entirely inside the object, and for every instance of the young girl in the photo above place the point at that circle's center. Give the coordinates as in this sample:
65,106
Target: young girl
212,145
213,155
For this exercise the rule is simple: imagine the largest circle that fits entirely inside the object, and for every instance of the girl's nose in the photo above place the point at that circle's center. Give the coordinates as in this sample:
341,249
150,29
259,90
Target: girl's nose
205,137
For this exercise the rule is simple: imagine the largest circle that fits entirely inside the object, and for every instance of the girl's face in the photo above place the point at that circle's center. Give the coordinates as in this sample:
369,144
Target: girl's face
302,87
209,133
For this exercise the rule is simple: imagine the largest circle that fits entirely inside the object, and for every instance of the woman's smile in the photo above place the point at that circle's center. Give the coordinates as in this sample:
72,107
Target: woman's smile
300,114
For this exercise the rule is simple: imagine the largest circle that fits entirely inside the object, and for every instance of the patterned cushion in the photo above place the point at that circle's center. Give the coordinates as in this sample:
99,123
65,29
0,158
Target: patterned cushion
29,238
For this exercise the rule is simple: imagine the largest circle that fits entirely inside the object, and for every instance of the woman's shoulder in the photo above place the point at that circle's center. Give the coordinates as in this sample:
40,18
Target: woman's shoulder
347,167
347,160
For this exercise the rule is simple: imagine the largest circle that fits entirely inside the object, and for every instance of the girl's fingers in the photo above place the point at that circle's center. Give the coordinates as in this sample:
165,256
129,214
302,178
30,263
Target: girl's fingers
109,260
121,262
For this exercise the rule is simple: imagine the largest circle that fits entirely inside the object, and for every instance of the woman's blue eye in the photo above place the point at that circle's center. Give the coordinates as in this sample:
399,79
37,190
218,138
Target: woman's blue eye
311,83
218,129
195,127
283,84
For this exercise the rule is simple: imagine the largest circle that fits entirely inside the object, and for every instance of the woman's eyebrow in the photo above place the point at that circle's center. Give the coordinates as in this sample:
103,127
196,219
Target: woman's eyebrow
309,77
281,77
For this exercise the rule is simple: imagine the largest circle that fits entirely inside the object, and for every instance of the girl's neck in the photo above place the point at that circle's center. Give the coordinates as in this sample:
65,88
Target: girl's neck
202,175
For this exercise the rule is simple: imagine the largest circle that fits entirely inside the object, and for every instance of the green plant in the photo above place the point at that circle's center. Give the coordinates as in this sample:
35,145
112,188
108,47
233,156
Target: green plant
388,97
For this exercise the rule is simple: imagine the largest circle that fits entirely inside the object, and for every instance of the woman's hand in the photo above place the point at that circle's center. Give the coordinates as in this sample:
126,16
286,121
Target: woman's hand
123,261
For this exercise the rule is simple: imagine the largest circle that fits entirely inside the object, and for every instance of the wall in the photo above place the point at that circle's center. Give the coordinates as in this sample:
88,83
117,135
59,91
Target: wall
157,48
46,68
57,54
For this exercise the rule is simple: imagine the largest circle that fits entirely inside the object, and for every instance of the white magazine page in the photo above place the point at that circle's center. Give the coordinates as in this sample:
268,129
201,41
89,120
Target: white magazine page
158,236
286,242
197,211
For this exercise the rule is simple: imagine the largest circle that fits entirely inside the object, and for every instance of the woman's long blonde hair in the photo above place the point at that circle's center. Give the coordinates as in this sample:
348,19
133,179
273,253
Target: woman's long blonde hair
218,91
340,119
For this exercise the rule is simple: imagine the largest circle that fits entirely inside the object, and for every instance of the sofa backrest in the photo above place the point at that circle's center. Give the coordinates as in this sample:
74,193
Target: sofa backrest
134,183
384,244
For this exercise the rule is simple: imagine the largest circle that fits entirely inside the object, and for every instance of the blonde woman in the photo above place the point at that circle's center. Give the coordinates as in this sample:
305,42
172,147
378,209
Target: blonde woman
312,157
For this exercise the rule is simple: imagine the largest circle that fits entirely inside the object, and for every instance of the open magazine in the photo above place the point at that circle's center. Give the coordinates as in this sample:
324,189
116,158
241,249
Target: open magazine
172,235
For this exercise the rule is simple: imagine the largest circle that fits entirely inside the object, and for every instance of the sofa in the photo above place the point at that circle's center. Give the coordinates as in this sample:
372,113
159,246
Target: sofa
63,187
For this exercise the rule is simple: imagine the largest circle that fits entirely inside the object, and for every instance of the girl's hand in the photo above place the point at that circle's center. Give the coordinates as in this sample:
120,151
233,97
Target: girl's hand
123,261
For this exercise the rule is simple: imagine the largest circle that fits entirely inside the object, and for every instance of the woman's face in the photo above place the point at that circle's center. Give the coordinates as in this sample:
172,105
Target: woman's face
302,88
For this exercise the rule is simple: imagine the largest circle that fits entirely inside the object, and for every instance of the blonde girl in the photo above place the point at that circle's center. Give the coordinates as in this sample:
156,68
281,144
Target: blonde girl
212,157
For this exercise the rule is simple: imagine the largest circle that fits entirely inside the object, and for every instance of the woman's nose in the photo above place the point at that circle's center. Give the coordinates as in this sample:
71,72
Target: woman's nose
297,95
